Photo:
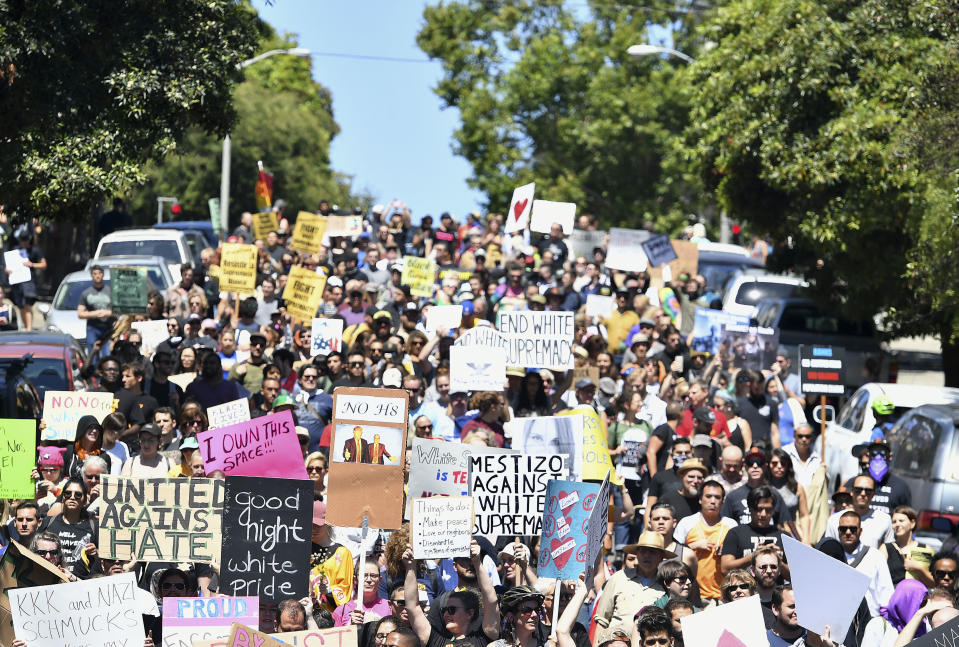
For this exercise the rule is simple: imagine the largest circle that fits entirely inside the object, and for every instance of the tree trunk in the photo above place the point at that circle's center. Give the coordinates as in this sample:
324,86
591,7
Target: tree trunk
950,357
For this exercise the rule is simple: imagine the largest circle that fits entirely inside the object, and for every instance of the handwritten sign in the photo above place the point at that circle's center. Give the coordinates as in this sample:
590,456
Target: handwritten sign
563,542
303,293
419,274
945,635
62,411
266,537
327,336
21,568
333,637
510,492
18,449
128,290
263,223
101,612
345,226
186,620
237,268
538,339
625,249
546,214
477,368
687,260
308,232
481,336
520,206
20,273
441,468
596,527
441,527
163,520
228,413
659,250
265,446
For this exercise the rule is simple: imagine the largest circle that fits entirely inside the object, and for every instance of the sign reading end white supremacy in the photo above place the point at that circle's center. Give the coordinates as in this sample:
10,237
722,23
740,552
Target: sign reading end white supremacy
538,339
509,491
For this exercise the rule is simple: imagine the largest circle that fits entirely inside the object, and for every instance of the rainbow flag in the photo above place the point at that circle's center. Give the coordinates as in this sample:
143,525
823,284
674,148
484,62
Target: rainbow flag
264,190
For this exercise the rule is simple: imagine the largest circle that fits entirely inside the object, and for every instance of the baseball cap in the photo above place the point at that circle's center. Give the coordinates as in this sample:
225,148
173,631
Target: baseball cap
319,513
646,321
301,431
150,428
381,314
189,443
704,414
334,282
208,323
392,378
755,452
257,337
585,383
701,440
863,448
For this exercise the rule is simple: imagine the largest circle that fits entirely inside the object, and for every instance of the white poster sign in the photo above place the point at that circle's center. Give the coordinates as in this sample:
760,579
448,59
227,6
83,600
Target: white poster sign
327,336
389,408
229,413
733,624
62,411
152,333
517,218
481,336
448,317
477,368
20,273
582,242
538,339
441,527
546,214
600,306
510,491
626,249
550,435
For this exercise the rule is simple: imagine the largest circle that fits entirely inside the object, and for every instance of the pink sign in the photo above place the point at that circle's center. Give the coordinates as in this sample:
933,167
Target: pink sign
266,446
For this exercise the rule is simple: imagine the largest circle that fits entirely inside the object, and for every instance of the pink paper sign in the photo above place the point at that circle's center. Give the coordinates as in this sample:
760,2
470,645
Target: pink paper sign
266,446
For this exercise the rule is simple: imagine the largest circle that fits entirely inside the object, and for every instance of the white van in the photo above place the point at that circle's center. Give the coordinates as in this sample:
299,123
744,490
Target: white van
171,244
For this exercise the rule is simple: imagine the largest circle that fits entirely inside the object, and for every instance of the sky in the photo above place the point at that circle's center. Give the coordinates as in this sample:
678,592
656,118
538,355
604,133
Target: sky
394,137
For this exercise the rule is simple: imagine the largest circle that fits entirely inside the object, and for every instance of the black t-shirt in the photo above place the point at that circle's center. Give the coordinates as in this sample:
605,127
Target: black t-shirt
665,433
683,505
94,299
663,481
760,413
167,394
73,537
889,495
138,409
475,639
743,540
735,507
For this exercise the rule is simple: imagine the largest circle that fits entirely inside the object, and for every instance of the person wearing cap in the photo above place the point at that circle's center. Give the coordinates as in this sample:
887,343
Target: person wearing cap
87,442
249,372
331,564
633,587
149,463
183,469
745,538
49,475
314,407
685,500
757,407
736,506
522,611
875,459
704,533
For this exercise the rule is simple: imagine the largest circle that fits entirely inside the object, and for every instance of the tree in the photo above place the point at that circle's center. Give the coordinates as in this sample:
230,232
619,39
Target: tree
89,91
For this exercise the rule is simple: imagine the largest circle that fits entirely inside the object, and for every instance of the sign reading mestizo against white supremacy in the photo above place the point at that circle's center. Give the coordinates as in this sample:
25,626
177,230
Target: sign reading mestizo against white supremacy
510,490
538,339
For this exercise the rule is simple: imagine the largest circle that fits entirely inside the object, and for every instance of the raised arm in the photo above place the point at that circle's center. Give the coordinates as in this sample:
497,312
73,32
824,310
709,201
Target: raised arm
418,620
564,625
488,599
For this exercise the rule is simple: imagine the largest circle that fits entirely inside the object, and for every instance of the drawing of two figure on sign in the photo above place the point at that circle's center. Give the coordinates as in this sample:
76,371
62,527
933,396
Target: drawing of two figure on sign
357,449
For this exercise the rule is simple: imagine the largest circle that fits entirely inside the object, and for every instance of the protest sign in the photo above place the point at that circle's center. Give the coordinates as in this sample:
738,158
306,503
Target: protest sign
687,260
19,273
100,612
566,515
945,635
351,226
62,411
828,592
596,460
732,624
441,527
333,637
546,214
420,275
186,620
18,451
520,205
486,336
510,491
151,333
448,317
625,249
228,413
237,268
308,232
477,368
659,250
128,290
596,527
582,242
550,435
822,369
600,306
708,328
303,293
538,339
368,457
21,568
751,347
163,520
266,537
265,446
245,636
589,372
263,223
327,336
441,468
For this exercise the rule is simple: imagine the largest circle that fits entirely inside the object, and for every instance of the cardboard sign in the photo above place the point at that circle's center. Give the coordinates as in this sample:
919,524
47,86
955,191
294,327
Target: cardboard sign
550,435
128,290
20,273
738,623
263,223
266,538
187,620
163,520
625,249
566,525
538,339
520,206
18,451
582,242
228,413
600,306
327,337
822,369
351,226
21,568
244,636
827,591
333,637
477,368
441,527
265,446
62,411
687,260
708,328
308,233
596,527
368,457
510,492
100,612
659,250
596,460
486,336
420,275
152,333
748,346
546,214
592,372
238,268
448,317
303,293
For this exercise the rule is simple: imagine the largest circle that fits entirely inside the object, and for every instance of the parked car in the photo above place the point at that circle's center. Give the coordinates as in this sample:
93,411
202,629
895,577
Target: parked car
718,262
745,291
18,397
55,363
171,244
856,420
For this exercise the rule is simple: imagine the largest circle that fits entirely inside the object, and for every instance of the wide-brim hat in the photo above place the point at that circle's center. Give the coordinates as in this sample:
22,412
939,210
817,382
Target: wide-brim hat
650,539
692,464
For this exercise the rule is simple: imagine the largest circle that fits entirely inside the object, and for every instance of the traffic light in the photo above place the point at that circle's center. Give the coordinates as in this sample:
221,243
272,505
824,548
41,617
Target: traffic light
176,209
737,232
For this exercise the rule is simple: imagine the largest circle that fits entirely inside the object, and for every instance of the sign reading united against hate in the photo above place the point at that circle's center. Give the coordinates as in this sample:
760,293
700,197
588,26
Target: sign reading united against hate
189,620
563,545
441,527
18,450
538,339
228,413
265,446
238,268
263,223
368,456
62,411
100,612
333,637
308,232
419,274
266,537
510,491
160,520
128,290
303,293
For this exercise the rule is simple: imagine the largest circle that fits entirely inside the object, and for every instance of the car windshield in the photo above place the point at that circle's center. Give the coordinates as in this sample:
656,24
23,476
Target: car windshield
168,249
68,296
717,273
47,373
751,293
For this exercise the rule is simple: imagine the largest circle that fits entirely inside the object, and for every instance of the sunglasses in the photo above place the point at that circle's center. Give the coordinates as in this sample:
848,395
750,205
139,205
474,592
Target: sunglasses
354,364
944,574
767,567
174,586
448,611
315,468
738,587
802,436
309,377
681,579
525,611
48,553
656,641
73,494
863,490
424,427
95,477
195,421
753,462
850,529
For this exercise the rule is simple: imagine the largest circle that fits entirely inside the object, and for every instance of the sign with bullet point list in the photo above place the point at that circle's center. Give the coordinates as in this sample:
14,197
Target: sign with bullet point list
441,527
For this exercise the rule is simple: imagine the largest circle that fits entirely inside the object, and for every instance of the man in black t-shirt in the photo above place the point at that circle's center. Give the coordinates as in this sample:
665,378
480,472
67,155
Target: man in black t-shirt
875,459
685,500
744,539
736,506
759,410
667,479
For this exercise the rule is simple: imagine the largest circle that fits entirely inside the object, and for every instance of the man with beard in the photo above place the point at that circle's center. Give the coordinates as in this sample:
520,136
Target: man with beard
876,525
787,632
685,500
766,568
249,372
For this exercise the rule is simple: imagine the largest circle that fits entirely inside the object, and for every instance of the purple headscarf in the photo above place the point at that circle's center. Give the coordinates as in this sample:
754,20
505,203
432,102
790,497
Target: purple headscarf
903,604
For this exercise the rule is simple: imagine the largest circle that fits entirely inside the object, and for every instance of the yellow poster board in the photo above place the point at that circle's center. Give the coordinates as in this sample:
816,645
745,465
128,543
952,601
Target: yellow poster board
308,232
420,275
596,460
303,293
238,268
263,223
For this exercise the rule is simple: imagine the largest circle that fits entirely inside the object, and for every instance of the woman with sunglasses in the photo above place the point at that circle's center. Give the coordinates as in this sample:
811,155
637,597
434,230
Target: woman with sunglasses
74,528
193,420
87,442
167,583
316,470
522,609
676,579
738,584
779,472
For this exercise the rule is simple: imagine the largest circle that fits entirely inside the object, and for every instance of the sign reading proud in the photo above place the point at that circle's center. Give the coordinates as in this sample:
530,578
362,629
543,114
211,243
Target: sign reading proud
187,621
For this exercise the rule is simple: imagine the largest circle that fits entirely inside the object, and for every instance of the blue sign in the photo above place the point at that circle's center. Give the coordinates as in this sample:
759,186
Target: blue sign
563,543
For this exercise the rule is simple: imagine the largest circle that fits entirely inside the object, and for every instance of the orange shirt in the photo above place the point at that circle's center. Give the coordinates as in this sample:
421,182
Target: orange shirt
709,576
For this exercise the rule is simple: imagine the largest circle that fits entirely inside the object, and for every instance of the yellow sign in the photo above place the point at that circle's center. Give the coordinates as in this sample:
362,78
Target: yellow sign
308,232
596,460
420,275
238,268
263,223
303,293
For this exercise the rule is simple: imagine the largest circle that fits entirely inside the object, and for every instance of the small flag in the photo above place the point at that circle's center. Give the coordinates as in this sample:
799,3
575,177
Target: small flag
264,190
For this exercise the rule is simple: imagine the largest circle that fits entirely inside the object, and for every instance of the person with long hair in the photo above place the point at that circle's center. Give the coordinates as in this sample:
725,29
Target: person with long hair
906,556
74,528
737,585
531,399
779,471
522,609
741,433
192,420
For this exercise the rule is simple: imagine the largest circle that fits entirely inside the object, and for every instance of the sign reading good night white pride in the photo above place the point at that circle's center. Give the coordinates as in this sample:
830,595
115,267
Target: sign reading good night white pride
370,408
546,213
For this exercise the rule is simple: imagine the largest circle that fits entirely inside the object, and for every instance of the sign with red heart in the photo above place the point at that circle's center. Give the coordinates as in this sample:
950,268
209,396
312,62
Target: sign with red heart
520,206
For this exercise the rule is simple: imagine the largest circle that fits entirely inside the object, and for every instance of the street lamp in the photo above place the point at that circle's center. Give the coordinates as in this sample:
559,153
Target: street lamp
638,51
302,52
